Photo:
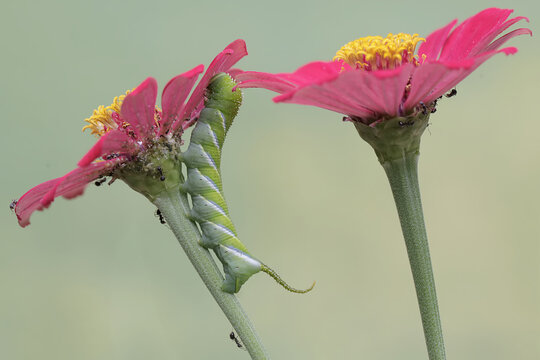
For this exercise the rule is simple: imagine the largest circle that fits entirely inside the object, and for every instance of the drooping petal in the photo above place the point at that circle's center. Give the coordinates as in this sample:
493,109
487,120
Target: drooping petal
114,142
139,106
254,79
315,72
477,31
221,63
490,36
500,41
431,80
326,97
174,97
450,83
358,93
70,185
193,117
431,48
380,91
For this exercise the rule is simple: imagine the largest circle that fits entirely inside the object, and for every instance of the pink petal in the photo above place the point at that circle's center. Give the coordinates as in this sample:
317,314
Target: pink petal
472,32
174,96
488,38
194,116
434,42
113,142
234,72
315,72
431,80
356,93
221,63
382,91
139,106
325,97
70,185
500,41
477,61
254,79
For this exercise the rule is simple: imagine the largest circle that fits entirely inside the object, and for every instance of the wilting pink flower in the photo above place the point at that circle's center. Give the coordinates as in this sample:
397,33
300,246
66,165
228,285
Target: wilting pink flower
130,127
375,78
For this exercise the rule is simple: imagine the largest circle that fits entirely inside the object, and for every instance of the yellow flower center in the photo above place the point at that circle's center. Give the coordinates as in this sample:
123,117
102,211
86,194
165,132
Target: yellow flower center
378,53
104,119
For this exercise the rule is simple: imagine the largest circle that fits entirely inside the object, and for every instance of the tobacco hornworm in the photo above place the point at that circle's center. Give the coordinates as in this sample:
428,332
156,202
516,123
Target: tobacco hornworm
203,183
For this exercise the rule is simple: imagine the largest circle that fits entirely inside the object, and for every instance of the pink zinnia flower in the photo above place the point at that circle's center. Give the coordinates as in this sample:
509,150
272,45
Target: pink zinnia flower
375,78
131,129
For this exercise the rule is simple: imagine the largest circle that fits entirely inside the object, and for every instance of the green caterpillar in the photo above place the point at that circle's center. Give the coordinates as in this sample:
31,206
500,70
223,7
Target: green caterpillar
203,183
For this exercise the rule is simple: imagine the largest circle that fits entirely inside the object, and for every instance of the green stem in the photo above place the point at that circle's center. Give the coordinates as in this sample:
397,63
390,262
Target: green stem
403,176
174,207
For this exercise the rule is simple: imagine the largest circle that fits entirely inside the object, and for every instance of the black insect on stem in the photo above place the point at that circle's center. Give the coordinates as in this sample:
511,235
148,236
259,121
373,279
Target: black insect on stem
98,182
424,108
160,171
406,123
160,216
452,92
233,337
12,205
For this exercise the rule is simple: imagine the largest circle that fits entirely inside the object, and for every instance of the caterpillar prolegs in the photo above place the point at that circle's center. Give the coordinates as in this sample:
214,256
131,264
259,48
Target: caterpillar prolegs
203,183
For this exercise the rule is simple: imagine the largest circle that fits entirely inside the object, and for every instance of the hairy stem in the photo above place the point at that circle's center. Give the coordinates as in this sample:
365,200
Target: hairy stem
403,176
174,207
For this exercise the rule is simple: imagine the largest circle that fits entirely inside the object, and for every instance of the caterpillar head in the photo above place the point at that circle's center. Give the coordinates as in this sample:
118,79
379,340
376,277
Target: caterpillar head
221,96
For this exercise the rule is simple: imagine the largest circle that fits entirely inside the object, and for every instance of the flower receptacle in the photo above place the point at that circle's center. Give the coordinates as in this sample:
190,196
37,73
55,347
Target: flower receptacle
394,138
155,170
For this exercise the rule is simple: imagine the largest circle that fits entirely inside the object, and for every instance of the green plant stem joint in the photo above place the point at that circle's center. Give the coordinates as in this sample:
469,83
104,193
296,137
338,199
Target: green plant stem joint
396,142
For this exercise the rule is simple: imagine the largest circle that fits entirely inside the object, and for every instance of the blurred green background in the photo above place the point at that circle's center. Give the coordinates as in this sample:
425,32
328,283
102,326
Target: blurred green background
100,278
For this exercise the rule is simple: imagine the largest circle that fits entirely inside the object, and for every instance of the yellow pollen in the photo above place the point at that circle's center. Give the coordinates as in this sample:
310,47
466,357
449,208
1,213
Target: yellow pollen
101,120
378,53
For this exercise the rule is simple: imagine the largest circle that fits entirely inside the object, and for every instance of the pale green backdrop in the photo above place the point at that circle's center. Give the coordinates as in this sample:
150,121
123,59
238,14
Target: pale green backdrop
99,278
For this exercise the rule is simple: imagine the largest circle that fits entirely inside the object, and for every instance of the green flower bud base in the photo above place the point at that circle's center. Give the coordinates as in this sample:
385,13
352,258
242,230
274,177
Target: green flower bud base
155,170
393,138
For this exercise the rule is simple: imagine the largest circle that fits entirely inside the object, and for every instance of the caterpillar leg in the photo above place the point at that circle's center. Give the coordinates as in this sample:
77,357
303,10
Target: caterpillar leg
237,266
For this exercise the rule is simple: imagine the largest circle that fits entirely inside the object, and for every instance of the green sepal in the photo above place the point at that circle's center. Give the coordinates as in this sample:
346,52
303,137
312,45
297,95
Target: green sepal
155,170
395,138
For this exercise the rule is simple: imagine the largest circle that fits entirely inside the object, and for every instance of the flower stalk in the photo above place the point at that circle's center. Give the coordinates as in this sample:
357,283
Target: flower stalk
396,143
403,177
174,206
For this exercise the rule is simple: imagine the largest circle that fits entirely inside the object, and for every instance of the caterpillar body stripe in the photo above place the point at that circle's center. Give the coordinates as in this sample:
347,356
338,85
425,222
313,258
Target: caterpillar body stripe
204,185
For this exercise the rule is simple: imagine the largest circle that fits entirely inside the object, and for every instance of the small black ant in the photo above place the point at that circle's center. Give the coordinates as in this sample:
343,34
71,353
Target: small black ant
408,123
160,171
13,204
233,337
424,108
452,92
111,156
160,216
98,182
